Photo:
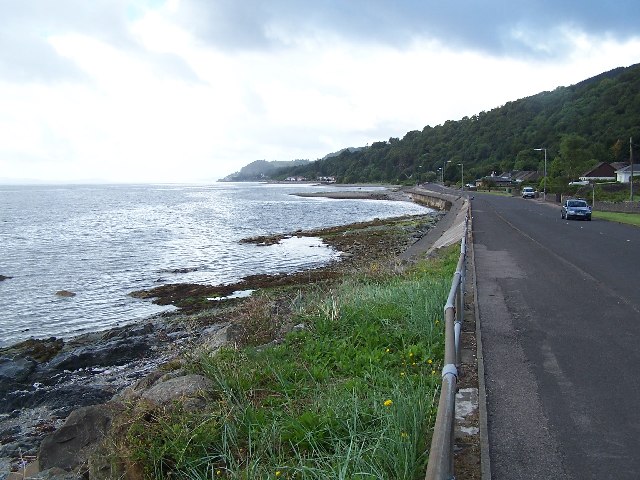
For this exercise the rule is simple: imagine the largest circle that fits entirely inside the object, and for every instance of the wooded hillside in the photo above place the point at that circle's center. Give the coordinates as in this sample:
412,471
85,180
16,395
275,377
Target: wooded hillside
579,125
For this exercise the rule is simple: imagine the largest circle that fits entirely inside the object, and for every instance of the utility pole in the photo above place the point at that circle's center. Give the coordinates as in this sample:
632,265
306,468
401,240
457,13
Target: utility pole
631,162
544,188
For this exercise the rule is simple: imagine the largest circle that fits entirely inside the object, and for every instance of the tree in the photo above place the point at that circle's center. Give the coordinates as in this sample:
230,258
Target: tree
574,155
527,160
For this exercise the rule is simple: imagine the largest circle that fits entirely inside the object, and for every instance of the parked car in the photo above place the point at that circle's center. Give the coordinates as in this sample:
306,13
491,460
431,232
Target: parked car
575,208
528,192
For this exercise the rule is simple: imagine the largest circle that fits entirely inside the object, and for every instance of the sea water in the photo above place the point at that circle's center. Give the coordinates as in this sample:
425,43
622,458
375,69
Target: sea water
101,242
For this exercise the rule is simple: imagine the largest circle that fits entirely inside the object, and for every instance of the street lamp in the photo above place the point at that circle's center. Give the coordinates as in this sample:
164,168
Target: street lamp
462,175
440,172
544,183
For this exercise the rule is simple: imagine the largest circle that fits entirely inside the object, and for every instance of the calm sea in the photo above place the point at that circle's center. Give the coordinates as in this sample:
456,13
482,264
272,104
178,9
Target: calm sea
102,242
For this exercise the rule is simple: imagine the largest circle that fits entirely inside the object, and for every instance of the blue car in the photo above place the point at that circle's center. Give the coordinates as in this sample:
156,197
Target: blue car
573,208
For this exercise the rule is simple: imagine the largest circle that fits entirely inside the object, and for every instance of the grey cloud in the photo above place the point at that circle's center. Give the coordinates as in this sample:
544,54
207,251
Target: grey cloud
485,25
26,55
230,24
32,60
482,25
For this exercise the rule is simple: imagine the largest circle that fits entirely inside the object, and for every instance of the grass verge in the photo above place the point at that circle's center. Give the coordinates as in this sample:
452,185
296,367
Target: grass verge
628,218
350,393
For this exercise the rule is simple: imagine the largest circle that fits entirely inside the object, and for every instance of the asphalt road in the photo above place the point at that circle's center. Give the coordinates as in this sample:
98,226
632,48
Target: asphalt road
559,305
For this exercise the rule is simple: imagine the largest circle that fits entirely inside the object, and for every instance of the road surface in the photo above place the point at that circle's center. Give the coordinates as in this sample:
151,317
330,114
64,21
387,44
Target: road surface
559,305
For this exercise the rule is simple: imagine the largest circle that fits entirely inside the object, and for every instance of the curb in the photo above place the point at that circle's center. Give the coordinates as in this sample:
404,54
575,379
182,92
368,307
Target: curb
485,459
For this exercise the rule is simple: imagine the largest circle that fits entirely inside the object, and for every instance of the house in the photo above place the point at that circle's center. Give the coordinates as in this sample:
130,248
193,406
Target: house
619,165
523,176
624,174
602,171
494,181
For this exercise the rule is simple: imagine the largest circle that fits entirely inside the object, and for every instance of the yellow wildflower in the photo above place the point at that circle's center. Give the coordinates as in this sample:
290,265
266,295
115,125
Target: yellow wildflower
388,403
429,361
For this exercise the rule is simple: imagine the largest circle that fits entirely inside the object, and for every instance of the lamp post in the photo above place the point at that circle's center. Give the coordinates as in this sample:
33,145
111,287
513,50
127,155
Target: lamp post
462,175
440,172
544,183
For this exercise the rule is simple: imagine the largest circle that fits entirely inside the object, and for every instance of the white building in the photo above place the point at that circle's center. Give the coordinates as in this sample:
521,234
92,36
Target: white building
624,174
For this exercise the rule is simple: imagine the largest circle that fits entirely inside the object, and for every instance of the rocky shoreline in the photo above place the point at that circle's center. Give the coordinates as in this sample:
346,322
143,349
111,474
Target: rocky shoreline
43,381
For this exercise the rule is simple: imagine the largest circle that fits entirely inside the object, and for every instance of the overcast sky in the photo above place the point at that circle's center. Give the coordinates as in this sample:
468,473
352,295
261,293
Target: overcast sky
192,90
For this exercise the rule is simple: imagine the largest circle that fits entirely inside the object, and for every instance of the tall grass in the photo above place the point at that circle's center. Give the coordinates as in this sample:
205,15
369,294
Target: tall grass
352,395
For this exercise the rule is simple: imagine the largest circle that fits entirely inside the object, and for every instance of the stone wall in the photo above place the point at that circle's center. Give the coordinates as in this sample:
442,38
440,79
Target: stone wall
622,207
439,201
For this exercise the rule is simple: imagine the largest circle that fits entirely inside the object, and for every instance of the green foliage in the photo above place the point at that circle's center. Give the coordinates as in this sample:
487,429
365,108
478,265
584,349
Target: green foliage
579,125
610,192
352,395
575,156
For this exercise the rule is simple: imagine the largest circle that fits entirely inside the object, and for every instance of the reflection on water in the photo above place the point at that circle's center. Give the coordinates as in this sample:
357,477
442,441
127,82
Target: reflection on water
102,242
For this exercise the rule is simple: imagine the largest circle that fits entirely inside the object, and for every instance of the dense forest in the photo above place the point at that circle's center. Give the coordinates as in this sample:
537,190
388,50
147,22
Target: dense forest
579,125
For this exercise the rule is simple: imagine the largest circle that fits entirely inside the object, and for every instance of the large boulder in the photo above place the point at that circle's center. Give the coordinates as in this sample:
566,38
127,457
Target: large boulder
215,336
14,372
71,445
114,352
188,389
60,400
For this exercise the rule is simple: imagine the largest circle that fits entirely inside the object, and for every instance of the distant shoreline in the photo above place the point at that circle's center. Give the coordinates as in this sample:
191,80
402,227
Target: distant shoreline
359,195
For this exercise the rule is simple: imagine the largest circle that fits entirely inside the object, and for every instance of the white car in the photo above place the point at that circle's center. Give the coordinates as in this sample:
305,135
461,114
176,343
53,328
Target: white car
579,182
528,192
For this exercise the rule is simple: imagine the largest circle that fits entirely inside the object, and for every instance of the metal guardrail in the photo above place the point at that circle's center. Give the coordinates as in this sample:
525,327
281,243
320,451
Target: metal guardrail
440,466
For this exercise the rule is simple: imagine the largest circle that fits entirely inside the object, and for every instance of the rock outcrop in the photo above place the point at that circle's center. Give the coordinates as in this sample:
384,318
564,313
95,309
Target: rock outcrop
88,379
71,445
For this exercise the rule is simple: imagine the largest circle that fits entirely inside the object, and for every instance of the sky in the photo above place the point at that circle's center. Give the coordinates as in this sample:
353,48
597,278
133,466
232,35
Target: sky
182,91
